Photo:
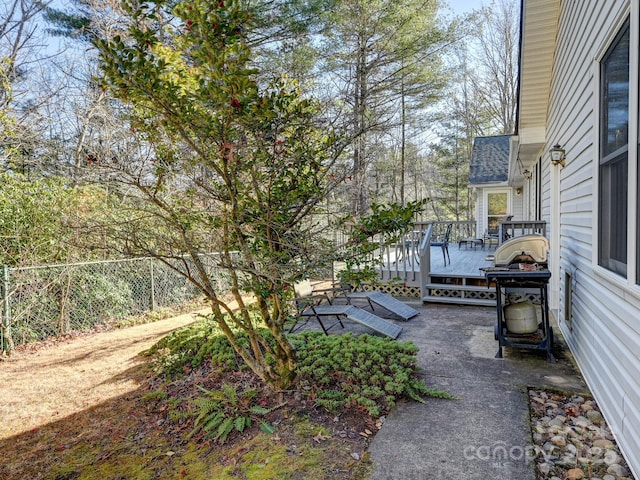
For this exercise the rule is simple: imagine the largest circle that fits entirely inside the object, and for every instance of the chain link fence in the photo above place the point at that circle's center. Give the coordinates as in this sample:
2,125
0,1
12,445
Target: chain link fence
47,301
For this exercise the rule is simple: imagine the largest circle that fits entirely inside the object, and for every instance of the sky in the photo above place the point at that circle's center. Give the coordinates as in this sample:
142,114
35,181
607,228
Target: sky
463,6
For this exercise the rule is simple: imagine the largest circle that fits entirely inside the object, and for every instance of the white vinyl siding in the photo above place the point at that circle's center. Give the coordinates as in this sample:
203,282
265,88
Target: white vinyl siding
480,224
605,333
517,205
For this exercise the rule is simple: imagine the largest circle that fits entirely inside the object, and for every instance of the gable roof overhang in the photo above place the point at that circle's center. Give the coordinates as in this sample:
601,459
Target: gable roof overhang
538,31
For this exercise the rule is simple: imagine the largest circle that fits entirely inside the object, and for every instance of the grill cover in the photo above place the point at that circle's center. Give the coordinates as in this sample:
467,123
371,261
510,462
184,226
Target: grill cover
525,249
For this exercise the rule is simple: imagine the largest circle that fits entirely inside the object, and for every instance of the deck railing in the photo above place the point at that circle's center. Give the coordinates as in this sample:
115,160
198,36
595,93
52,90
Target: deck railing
405,261
409,260
520,228
400,262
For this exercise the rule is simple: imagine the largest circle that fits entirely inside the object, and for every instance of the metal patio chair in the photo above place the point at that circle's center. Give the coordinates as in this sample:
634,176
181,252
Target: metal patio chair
444,244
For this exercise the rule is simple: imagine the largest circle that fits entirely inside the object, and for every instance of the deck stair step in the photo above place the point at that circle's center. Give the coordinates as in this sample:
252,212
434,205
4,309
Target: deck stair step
461,294
459,301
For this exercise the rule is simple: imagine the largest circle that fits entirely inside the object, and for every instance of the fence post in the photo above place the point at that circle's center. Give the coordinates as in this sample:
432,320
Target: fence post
6,311
153,284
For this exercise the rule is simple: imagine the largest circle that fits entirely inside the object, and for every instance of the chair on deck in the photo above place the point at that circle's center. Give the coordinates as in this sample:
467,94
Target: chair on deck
505,234
444,244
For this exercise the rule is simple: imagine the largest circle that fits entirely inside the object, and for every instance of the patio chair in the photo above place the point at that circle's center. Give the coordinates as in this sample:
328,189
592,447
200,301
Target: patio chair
320,307
505,234
309,306
384,300
444,244
491,236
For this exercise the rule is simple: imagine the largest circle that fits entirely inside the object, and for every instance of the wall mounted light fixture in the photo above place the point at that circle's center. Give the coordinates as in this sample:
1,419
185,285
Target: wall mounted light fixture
527,174
558,155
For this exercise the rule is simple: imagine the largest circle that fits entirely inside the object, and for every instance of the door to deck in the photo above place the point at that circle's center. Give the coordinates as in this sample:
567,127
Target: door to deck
497,209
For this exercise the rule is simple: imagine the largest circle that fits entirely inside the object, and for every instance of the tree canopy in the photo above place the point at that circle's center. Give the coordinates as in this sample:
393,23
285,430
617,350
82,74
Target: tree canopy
234,166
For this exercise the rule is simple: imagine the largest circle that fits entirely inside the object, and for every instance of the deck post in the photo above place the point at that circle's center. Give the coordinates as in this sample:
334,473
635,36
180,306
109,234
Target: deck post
425,260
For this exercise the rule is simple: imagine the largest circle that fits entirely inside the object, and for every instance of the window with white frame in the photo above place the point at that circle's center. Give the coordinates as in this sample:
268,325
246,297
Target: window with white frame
614,155
497,209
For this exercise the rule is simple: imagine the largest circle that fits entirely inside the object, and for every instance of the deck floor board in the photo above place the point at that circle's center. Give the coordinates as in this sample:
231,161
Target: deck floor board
465,261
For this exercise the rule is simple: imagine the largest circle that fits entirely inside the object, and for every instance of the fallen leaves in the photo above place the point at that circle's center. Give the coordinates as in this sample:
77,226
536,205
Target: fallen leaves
320,437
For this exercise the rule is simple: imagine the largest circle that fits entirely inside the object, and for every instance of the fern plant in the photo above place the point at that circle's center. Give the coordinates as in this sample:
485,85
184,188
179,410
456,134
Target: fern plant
220,412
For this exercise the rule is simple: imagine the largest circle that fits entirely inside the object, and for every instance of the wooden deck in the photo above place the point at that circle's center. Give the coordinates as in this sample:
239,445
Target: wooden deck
462,281
465,261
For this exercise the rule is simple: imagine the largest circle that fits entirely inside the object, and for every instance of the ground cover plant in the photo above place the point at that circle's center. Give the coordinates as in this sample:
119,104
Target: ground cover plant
201,413
366,372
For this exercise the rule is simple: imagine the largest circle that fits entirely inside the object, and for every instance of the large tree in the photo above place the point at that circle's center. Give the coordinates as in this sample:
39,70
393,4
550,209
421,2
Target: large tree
481,99
232,166
494,77
21,55
450,194
383,59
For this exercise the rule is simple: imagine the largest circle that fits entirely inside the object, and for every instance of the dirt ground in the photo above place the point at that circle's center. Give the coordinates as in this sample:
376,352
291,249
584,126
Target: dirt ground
54,382
85,408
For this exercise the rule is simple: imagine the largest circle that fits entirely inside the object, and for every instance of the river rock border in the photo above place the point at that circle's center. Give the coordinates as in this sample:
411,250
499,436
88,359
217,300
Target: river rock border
572,440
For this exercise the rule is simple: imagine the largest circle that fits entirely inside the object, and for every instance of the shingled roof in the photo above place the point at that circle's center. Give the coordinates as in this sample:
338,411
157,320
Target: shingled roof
489,160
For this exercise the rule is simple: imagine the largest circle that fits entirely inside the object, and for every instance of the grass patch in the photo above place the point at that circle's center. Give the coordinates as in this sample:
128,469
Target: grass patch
160,313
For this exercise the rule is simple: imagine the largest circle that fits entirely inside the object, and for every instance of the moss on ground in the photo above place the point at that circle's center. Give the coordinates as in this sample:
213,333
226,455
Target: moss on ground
300,450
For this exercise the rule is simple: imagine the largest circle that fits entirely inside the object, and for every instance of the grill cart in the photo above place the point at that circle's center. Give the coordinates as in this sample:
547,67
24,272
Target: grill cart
521,276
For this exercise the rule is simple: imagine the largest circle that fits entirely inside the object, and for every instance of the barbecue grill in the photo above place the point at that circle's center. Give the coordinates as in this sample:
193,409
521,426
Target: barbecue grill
521,276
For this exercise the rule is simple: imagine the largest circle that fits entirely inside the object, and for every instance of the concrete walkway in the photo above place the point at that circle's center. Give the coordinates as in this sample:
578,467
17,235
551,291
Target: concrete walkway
483,435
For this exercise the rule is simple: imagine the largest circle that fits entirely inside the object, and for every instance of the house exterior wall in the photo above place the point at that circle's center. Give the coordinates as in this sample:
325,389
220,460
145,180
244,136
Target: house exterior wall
598,311
531,195
480,212
517,204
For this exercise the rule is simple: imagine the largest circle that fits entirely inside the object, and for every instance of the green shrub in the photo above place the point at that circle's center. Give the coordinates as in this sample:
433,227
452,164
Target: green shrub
366,371
190,346
336,371
98,297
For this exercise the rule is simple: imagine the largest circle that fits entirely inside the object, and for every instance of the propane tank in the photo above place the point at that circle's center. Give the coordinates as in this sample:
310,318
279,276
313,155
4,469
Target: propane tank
521,318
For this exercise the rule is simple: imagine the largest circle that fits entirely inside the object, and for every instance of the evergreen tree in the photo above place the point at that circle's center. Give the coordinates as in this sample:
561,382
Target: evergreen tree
235,166
383,58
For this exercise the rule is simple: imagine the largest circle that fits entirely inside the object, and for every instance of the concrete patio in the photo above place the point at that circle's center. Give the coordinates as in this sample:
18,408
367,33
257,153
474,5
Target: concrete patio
466,438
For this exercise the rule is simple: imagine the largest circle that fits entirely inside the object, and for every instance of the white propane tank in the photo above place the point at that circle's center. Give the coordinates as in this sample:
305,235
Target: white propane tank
521,318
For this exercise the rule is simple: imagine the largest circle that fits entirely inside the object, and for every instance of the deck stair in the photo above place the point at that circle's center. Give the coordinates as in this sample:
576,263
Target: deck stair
459,289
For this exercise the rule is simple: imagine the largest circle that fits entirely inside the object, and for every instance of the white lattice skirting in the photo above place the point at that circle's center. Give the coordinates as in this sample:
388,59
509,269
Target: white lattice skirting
394,290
